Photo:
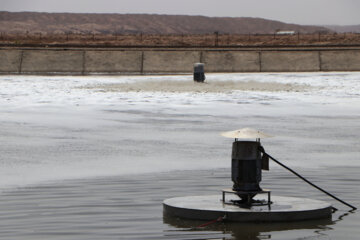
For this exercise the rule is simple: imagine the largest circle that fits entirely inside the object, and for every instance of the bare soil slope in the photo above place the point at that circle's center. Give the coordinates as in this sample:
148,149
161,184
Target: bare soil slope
60,23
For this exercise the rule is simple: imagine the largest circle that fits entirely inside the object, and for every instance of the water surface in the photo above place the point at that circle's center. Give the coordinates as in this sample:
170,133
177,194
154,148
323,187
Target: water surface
81,163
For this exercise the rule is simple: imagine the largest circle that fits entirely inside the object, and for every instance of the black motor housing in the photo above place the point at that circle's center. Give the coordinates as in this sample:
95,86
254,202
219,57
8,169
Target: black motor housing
246,166
199,73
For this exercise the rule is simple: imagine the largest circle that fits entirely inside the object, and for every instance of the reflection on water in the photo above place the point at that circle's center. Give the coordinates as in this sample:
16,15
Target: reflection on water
249,230
231,230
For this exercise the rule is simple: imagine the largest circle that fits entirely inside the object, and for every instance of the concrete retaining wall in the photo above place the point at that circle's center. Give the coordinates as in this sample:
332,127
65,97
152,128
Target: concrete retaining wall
340,60
279,61
127,61
10,61
231,61
170,61
113,61
35,61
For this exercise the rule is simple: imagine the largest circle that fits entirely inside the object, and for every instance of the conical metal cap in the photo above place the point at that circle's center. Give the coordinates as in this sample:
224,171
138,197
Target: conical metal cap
245,133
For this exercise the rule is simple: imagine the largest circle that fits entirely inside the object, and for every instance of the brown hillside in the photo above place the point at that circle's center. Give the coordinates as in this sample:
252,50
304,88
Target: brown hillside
52,23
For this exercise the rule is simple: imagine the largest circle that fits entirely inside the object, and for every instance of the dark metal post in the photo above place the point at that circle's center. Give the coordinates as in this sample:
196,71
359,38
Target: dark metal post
216,38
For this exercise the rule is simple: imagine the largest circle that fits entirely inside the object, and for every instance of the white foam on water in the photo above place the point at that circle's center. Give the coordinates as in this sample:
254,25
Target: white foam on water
60,127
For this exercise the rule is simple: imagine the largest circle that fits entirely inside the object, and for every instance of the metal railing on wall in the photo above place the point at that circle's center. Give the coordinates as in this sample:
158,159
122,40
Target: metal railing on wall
176,40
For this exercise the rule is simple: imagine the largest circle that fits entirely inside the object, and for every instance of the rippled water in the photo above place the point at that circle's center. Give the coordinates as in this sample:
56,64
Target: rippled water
77,163
131,207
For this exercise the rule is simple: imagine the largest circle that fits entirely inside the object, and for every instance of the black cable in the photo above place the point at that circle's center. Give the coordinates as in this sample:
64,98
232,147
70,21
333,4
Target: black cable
301,177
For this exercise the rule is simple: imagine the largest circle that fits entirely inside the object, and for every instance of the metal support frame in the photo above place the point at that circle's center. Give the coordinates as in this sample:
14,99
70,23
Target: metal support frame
249,196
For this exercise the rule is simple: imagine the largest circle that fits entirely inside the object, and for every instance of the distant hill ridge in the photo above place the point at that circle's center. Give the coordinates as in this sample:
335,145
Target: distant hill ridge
344,29
31,22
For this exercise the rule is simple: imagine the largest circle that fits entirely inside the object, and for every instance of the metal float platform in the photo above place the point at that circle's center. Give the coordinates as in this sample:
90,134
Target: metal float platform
281,209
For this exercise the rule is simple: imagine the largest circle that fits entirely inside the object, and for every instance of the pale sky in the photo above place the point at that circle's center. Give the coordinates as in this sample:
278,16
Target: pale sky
308,12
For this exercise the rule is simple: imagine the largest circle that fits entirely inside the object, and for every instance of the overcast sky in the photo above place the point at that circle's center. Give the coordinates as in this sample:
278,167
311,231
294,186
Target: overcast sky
317,12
